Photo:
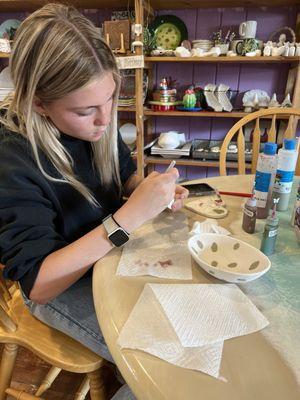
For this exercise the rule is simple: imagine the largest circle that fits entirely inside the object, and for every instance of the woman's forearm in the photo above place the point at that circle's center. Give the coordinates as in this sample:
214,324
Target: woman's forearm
65,266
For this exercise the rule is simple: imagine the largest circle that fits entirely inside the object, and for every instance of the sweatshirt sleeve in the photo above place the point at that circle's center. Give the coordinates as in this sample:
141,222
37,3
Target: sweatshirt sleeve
27,216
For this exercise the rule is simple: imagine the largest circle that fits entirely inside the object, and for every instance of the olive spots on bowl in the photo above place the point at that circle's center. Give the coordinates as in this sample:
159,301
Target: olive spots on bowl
232,265
254,265
214,263
200,244
236,246
195,251
214,247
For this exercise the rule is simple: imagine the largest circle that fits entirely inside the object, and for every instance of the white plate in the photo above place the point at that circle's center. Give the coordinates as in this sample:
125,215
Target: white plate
228,258
128,133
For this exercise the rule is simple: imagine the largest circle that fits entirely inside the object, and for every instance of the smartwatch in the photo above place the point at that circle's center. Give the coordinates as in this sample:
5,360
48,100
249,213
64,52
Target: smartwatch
115,233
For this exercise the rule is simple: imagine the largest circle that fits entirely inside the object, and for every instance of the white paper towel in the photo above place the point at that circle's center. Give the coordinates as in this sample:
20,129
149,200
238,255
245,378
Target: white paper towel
208,226
186,324
158,248
148,329
204,314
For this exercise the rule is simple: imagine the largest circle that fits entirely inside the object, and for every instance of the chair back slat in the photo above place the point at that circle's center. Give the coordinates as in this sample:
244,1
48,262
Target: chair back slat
294,114
255,145
241,152
272,130
288,133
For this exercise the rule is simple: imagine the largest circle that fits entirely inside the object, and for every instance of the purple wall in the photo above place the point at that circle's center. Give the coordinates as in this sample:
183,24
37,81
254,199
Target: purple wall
201,23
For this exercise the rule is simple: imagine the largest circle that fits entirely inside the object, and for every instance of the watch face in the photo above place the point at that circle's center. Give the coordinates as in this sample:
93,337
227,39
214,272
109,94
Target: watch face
118,237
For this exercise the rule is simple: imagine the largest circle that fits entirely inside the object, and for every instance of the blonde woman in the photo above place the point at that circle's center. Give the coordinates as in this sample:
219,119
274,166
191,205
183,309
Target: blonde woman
64,169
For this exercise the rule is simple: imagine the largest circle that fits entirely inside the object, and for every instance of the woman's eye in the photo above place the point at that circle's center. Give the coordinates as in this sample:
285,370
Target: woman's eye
83,114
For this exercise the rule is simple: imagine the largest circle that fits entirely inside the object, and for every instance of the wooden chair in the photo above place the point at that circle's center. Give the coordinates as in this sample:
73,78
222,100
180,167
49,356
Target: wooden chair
292,113
19,328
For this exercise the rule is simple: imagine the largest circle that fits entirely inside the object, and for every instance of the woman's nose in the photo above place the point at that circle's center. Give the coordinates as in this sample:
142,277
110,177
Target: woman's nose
102,116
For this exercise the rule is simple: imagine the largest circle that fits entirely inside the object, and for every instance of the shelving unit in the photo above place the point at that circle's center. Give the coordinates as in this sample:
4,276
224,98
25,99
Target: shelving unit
225,59
142,113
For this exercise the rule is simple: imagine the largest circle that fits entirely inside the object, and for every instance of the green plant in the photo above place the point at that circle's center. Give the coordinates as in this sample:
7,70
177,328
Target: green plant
149,41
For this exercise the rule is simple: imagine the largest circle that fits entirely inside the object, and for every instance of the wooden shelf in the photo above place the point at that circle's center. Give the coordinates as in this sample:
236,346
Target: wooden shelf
21,5
233,114
126,109
172,4
4,55
225,59
191,162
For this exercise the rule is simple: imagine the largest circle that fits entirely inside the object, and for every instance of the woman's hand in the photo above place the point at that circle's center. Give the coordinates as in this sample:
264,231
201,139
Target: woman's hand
149,199
181,193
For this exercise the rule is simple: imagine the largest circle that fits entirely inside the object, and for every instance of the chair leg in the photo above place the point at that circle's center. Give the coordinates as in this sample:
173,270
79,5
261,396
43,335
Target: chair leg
21,395
97,390
9,355
48,380
83,389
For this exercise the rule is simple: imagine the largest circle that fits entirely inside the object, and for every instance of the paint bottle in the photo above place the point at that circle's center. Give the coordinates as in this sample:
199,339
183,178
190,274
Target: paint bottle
249,215
297,204
296,215
270,232
286,164
264,178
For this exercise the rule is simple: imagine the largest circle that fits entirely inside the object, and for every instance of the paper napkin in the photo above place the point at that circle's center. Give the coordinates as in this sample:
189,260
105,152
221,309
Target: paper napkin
187,324
208,226
148,329
158,248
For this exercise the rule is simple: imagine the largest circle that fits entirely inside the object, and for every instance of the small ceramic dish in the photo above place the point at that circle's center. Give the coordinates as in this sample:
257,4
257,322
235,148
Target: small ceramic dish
228,258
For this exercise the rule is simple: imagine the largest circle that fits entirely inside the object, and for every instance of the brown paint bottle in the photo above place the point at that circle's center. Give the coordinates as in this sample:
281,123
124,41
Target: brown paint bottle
249,215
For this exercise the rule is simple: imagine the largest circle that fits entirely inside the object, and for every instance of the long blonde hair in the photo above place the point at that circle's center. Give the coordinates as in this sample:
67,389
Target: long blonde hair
56,51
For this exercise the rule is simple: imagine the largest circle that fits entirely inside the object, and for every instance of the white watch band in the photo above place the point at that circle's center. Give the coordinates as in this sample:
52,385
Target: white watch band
110,225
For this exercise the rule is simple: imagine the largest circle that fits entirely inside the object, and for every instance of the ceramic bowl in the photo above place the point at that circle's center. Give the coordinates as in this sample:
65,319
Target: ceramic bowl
228,258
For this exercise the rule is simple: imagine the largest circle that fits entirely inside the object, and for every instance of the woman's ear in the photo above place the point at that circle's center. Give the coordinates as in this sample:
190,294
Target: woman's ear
39,107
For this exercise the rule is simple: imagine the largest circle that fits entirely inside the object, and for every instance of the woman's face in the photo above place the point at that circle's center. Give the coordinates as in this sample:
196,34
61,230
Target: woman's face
86,112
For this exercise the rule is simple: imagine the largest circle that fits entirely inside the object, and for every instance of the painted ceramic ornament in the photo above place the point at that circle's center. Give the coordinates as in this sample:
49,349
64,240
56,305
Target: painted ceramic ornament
182,52
267,51
292,51
287,102
189,99
273,102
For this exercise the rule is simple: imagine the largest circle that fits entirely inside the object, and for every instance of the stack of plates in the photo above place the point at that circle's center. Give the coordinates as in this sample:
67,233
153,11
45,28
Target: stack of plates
129,102
183,150
203,44
6,85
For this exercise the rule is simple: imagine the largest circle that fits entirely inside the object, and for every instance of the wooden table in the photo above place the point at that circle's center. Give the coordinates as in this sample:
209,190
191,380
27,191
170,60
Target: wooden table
253,367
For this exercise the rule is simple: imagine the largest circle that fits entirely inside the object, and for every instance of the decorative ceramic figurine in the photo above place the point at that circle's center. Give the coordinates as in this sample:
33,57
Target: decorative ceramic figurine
211,98
267,50
169,140
292,51
189,99
182,52
273,102
223,98
287,102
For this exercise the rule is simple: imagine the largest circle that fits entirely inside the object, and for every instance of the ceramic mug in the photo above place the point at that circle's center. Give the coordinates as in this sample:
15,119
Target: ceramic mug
237,46
247,29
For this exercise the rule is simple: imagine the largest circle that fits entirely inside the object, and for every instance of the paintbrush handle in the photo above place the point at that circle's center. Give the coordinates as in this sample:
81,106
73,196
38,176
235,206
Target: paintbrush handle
235,194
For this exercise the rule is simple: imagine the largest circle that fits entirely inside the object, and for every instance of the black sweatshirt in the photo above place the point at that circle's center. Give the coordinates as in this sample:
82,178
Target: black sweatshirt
38,216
